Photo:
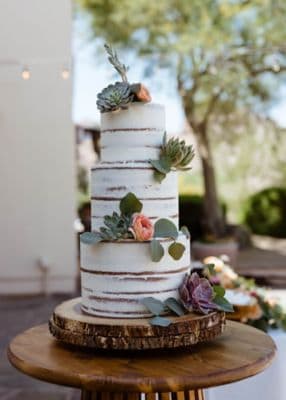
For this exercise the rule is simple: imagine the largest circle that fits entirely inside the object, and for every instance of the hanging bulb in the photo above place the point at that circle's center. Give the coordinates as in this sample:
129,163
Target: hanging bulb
65,73
276,67
26,75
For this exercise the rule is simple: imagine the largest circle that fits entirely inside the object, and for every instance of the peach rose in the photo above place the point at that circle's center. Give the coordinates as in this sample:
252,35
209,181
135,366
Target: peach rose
141,228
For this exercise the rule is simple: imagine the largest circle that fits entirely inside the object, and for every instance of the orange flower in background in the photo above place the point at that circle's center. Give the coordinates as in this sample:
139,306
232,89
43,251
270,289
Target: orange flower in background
141,228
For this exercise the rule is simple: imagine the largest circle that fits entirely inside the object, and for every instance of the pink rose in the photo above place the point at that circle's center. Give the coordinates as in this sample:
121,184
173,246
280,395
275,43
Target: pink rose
141,228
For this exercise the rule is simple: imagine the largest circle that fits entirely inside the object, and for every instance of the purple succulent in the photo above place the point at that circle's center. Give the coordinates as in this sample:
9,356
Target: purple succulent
197,294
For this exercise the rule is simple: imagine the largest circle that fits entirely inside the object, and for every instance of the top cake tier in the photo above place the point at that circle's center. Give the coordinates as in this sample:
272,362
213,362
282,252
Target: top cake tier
134,134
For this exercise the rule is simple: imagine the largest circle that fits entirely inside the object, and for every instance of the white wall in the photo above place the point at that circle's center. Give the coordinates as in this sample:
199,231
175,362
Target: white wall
37,168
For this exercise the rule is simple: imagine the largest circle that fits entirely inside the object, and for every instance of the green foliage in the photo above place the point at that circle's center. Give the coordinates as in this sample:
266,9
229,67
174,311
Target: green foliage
113,59
164,228
273,315
223,304
186,232
157,250
191,214
223,56
220,300
155,306
174,306
130,204
174,155
210,46
176,250
116,227
265,212
90,237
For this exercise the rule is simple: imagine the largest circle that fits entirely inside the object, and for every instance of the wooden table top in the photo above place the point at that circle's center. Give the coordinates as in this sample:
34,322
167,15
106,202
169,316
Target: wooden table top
240,352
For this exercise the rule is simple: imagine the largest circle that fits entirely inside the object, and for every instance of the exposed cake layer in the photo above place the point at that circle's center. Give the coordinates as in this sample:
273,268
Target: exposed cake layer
130,146
138,116
109,184
134,134
116,275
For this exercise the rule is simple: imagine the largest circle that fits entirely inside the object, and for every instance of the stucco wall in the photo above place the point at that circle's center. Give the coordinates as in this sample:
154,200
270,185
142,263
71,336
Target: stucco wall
37,171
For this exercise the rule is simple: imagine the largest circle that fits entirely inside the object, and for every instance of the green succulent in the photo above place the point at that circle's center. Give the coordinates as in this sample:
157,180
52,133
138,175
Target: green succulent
116,227
177,153
174,155
114,97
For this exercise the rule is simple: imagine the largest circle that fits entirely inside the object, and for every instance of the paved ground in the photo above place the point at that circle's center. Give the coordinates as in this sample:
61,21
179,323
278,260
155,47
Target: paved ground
17,315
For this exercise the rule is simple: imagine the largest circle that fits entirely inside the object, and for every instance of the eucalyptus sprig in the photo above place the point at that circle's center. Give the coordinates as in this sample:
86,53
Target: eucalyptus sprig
174,155
164,228
158,307
114,60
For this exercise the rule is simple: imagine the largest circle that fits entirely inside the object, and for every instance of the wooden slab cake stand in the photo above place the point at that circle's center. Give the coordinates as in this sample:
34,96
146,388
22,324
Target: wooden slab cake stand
240,352
71,325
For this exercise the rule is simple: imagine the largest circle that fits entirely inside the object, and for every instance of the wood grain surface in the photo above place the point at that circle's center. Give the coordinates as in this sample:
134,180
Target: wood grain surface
70,325
241,351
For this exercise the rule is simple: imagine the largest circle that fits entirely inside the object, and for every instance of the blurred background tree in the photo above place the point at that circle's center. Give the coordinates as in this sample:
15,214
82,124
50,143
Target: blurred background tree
227,57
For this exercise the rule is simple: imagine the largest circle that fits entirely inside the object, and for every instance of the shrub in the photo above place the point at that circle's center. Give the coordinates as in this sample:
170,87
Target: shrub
265,212
191,213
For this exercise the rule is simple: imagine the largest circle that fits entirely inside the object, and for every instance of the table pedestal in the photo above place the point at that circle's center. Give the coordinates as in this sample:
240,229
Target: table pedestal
196,394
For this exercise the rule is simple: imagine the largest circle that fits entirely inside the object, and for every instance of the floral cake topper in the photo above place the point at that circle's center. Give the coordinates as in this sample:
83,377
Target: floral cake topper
120,94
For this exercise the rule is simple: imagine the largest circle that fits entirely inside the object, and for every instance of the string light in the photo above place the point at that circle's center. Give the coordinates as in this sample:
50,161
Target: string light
276,67
65,73
26,75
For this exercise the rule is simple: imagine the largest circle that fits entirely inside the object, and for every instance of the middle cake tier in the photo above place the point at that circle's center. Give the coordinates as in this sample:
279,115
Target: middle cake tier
110,183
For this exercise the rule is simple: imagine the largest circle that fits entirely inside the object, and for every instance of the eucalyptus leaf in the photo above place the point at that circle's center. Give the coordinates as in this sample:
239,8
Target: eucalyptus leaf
186,232
157,250
91,237
130,204
159,176
160,321
161,165
218,290
176,250
155,306
165,228
174,306
223,304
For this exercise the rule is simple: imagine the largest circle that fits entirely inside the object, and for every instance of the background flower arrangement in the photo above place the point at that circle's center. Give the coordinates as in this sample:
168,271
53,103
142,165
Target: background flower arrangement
268,313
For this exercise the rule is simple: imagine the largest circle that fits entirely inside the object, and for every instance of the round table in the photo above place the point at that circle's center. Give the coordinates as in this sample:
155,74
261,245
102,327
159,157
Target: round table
240,352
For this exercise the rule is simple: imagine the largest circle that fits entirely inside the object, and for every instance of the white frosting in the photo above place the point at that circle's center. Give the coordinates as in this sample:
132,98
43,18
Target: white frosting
136,116
116,275
131,145
110,185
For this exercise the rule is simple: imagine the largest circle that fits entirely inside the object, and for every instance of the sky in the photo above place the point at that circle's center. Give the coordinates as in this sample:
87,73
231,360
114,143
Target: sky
92,73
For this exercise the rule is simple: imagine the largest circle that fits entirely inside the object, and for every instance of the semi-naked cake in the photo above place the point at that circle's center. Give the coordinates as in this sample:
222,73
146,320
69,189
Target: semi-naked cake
138,290
117,275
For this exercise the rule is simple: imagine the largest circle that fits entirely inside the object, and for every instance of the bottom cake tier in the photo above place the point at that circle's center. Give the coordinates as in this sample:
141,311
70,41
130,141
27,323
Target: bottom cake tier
116,276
